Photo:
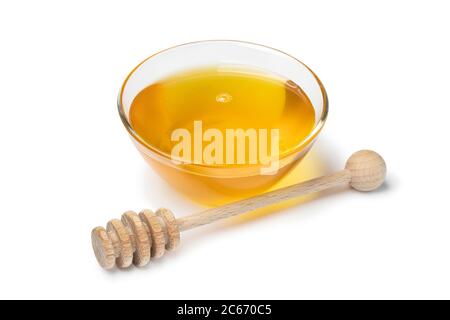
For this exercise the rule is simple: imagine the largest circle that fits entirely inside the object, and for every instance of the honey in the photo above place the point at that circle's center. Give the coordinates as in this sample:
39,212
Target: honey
222,98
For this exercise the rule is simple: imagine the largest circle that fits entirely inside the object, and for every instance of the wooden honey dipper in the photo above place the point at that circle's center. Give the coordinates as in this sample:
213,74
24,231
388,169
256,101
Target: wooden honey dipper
137,238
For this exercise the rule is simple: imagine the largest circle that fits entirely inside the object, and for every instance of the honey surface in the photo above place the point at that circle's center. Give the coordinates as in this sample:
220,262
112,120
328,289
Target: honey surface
222,98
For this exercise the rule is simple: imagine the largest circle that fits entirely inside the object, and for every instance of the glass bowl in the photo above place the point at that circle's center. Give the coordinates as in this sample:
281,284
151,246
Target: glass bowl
214,185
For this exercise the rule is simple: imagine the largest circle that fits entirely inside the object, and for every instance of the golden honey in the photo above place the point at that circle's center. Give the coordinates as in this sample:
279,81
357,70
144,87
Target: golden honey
221,98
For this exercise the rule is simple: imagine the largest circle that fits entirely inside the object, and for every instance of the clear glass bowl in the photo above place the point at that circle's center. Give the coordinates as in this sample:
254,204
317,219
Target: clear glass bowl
212,185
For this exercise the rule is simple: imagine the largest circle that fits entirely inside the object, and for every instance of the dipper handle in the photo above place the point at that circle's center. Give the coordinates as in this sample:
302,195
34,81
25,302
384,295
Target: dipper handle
365,170
263,200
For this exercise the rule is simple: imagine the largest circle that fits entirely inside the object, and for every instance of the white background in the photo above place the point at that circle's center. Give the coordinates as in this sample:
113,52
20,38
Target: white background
67,164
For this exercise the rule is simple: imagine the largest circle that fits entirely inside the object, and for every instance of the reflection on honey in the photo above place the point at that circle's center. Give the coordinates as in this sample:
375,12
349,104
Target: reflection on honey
222,97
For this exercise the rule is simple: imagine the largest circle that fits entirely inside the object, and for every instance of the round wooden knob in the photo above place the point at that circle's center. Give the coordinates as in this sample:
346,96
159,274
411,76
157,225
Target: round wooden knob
368,170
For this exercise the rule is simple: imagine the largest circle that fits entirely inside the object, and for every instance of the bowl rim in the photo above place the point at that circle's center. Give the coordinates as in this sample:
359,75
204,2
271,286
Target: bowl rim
307,140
